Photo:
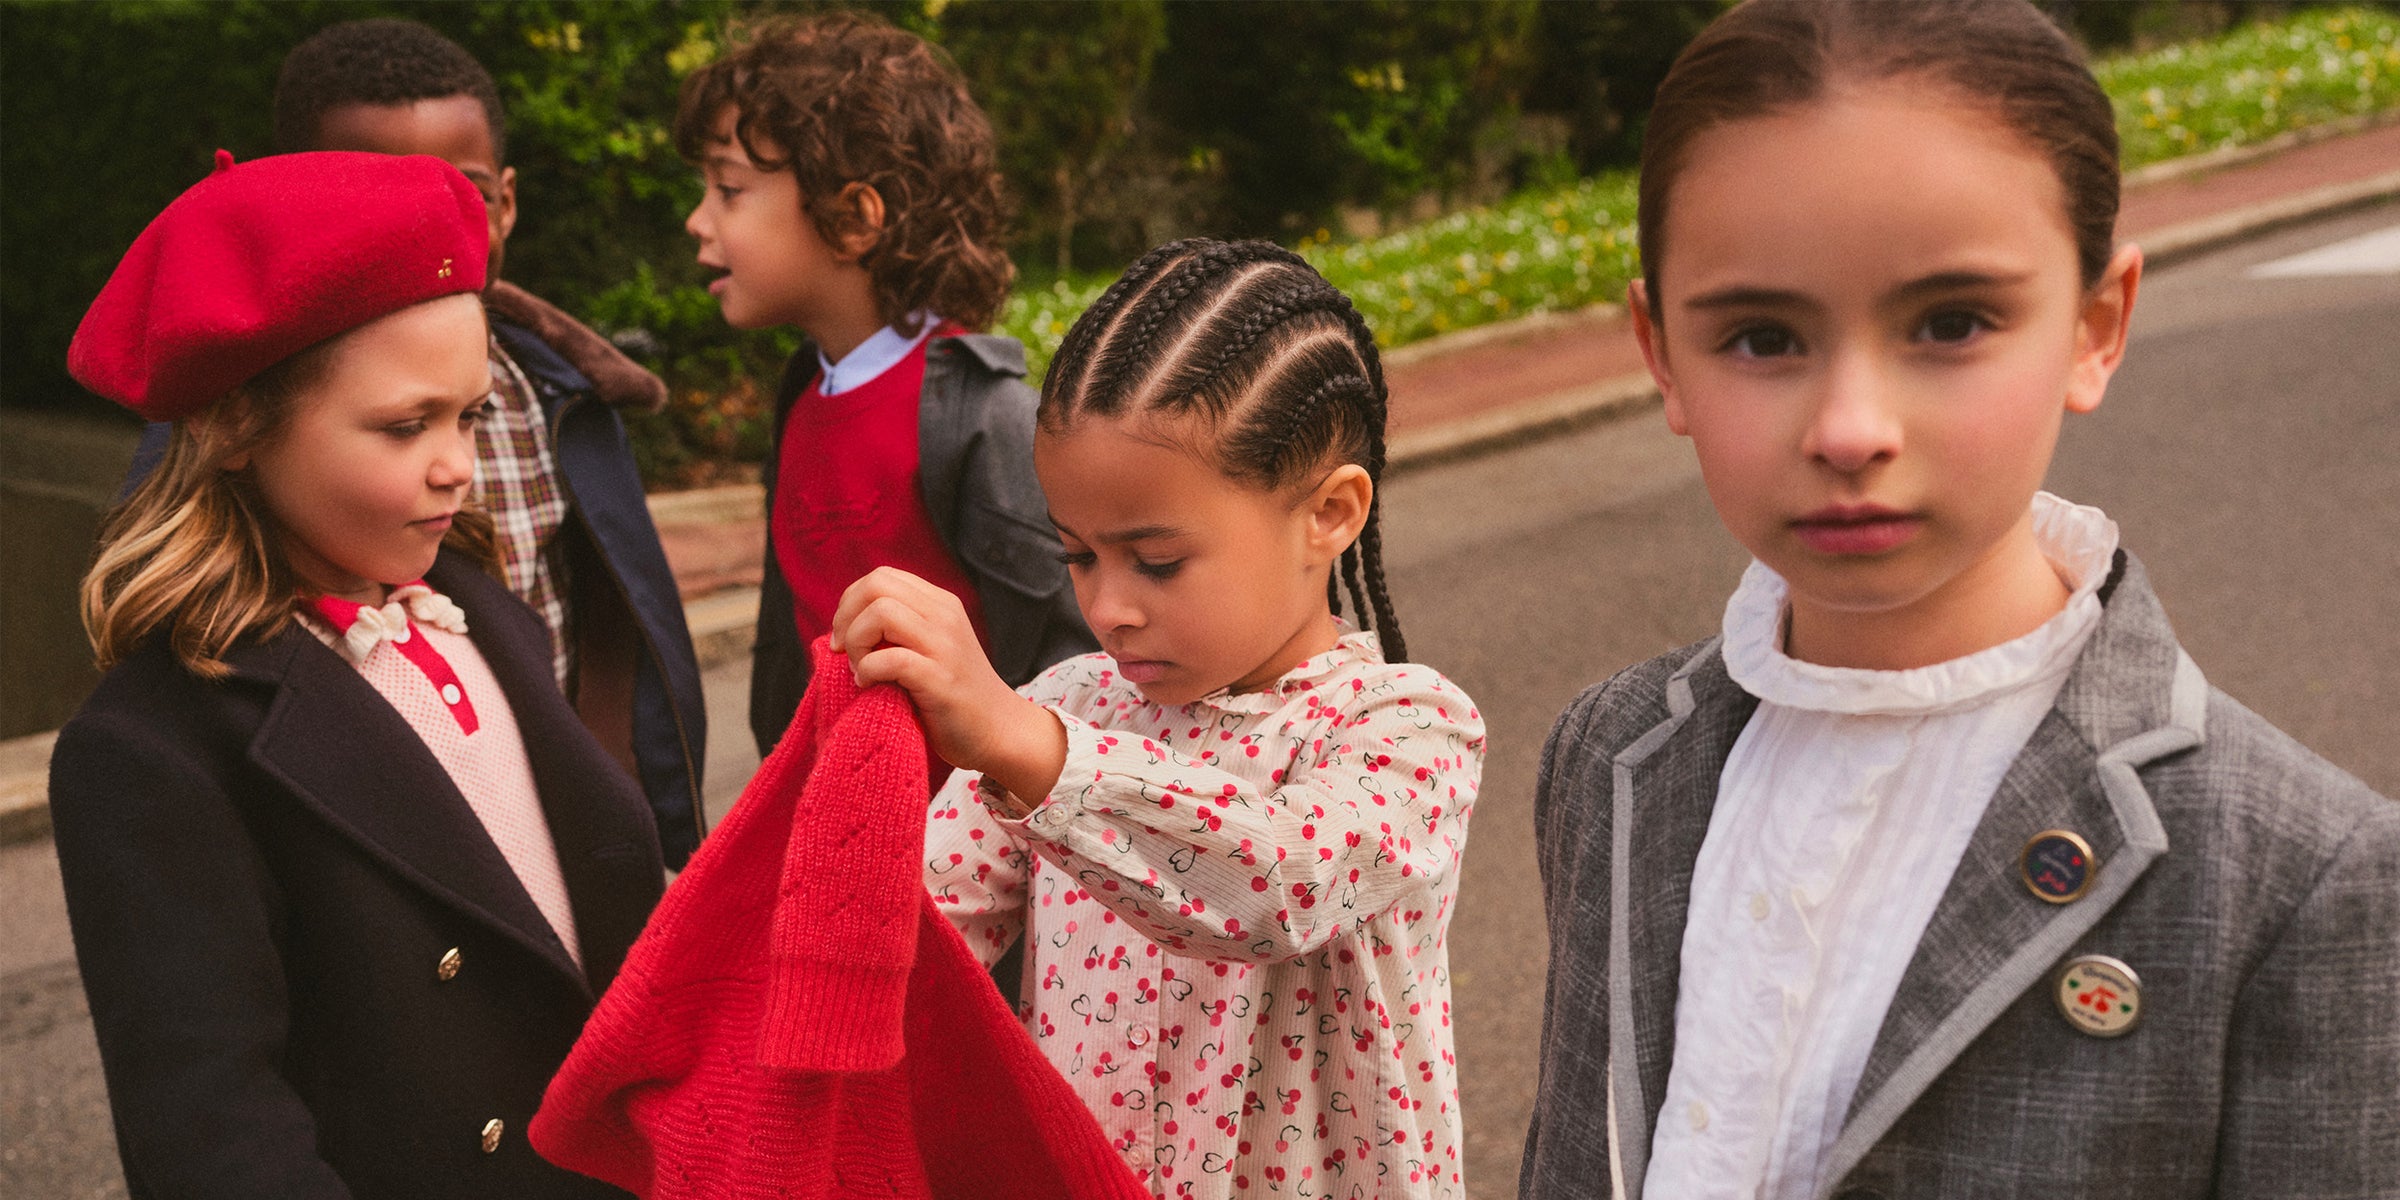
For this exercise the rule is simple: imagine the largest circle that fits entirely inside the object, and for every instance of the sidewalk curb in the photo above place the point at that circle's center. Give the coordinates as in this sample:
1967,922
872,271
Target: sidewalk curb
2242,156
724,625
1543,416
2178,242
25,787
1530,325
723,622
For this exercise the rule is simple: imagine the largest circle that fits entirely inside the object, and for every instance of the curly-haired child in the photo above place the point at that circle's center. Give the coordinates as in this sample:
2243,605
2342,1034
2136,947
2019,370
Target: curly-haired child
852,193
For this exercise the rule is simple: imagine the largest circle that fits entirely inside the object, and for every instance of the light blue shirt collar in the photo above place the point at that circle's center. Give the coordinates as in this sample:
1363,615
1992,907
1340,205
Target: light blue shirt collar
872,357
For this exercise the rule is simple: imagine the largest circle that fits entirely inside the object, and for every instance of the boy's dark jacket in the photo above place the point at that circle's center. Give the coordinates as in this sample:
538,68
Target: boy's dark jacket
264,875
637,678
975,472
2254,888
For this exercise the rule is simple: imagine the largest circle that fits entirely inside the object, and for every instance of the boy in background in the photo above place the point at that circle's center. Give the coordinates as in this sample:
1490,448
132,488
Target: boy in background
853,194
553,467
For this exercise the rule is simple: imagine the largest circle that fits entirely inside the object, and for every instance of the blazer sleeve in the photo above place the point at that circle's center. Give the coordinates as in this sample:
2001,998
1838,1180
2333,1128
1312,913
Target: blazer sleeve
174,915
1570,1083
976,475
2312,1076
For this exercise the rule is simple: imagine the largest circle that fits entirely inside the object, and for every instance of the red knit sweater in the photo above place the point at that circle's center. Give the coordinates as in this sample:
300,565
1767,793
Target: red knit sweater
798,1021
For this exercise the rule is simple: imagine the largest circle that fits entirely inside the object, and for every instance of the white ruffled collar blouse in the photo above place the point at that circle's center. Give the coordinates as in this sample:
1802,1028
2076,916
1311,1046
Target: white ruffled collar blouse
2080,541
1842,812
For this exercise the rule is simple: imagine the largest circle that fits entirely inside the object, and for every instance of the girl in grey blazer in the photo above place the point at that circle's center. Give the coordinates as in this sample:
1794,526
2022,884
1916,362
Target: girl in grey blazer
1942,871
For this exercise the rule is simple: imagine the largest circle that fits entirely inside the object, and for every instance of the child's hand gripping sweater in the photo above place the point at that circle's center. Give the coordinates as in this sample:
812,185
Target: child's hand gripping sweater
798,1021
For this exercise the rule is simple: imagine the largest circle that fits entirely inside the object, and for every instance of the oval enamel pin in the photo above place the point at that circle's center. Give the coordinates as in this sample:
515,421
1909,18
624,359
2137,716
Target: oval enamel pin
2100,995
2058,866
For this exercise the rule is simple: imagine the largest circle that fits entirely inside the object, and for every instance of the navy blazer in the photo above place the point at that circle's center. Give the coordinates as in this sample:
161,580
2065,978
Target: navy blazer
638,677
627,609
311,972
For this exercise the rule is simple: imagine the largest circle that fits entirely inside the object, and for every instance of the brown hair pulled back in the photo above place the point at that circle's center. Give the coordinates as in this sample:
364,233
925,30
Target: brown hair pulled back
1247,337
1771,55
841,98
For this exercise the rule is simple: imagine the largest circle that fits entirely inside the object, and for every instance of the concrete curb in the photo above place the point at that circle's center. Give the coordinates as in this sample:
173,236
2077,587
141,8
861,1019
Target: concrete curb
723,623
1540,417
25,787
2178,242
1498,331
2237,156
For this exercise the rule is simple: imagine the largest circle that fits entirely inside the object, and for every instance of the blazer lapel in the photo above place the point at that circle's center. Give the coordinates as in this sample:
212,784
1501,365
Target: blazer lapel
1665,788
354,760
600,823
2133,697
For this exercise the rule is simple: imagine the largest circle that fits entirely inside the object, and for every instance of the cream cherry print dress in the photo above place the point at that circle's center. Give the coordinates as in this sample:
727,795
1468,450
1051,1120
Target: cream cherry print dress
1237,911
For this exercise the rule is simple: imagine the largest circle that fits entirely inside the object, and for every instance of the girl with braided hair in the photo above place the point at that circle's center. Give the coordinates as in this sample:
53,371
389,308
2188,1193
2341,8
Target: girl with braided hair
1230,840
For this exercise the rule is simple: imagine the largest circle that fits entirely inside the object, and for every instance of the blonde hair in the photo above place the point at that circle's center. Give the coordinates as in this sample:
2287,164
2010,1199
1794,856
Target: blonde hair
194,548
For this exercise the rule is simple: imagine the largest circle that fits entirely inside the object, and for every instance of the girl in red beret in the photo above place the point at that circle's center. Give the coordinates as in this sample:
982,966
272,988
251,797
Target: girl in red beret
344,870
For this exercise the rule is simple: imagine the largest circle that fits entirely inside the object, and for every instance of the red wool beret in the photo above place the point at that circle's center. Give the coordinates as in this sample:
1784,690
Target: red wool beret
260,261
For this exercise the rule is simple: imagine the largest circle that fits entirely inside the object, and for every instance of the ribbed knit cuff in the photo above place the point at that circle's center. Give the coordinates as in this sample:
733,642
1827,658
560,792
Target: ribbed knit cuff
826,1016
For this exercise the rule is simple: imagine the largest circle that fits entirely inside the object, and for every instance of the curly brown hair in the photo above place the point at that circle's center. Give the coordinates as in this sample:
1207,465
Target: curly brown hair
840,98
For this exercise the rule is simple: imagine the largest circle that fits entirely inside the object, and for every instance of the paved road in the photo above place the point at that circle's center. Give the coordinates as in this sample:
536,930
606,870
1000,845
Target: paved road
2250,449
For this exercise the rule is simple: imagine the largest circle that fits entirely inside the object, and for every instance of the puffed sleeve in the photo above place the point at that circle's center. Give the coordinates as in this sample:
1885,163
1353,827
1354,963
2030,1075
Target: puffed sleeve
1367,816
174,915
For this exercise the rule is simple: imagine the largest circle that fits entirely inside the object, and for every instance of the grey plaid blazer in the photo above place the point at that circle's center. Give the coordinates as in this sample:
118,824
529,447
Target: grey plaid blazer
2254,888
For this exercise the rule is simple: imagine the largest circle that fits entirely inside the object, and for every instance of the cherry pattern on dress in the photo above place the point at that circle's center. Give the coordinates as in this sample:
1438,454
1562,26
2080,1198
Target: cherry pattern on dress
1237,912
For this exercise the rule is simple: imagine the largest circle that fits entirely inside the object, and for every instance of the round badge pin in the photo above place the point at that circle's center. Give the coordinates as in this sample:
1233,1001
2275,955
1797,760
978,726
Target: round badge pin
2058,866
2100,995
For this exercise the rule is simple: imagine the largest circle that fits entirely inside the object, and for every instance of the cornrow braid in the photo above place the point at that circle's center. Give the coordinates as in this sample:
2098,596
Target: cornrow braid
1072,360
1293,300
1370,552
1158,305
1247,336
1377,396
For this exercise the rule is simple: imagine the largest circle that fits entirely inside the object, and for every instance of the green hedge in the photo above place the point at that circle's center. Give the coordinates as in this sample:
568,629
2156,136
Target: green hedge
2254,83
1116,129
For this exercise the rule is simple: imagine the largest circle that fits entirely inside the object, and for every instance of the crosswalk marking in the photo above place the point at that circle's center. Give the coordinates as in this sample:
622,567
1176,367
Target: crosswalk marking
2376,253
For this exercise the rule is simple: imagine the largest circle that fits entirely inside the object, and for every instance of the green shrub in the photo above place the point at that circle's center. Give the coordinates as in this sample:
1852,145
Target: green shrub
1539,252
1122,123
1556,250
2254,83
